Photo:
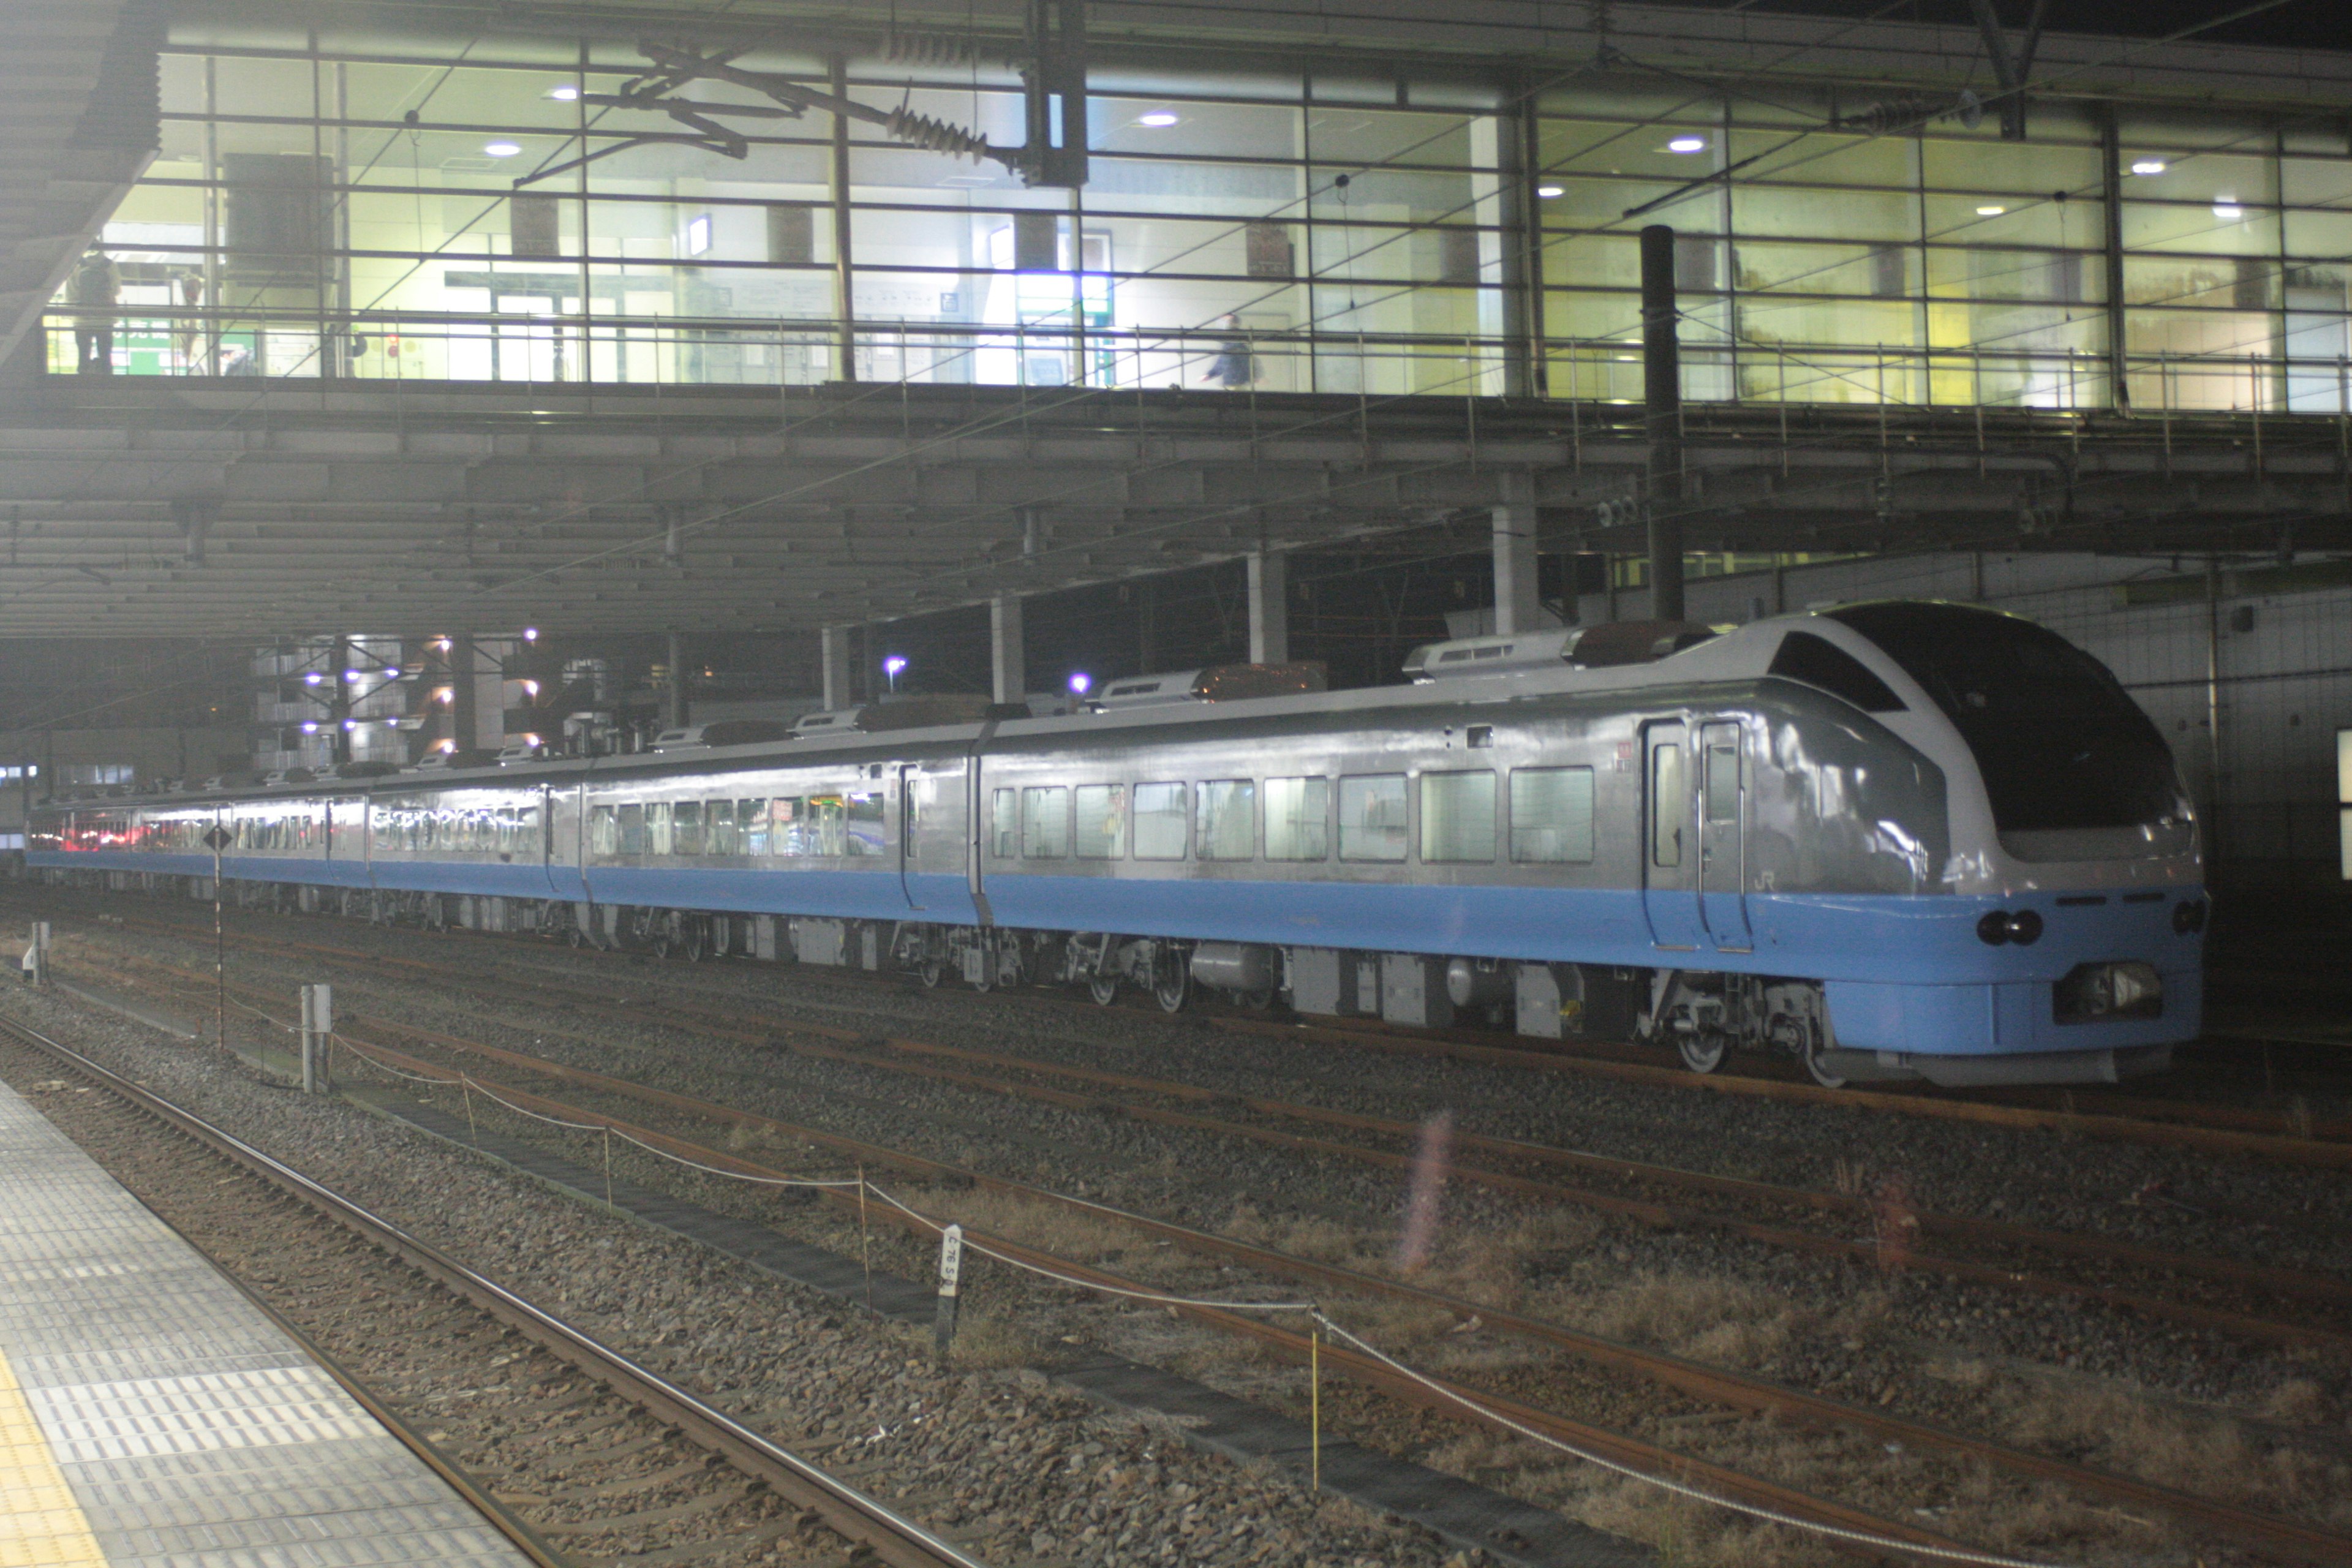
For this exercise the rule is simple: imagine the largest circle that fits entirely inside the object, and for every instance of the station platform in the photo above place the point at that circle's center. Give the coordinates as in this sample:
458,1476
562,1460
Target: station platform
150,1415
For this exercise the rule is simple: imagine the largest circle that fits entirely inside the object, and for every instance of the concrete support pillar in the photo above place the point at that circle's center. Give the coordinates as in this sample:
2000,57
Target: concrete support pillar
1269,607
833,654
489,681
1008,656
673,703
462,691
1517,607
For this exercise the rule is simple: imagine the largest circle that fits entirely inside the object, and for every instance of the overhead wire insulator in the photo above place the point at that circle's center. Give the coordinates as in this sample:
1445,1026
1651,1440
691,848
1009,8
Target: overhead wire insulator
934,135
931,50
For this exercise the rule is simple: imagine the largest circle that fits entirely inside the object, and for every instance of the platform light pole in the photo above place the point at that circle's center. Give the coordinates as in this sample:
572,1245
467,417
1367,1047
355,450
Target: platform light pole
216,840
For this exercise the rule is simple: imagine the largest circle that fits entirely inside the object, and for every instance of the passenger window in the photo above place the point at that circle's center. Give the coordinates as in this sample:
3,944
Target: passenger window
869,826
1371,818
1045,823
1006,820
1160,822
632,819
1457,816
719,827
787,826
603,831
825,833
751,826
1228,829
657,829
1723,782
685,827
1669,803
1551,815
1298,819
1101,832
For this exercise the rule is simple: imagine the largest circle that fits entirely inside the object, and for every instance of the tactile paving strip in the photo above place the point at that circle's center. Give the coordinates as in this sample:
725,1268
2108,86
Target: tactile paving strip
151,1416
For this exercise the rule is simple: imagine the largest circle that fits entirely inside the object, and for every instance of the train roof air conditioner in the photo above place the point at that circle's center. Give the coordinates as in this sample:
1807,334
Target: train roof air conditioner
1574,648
1211,683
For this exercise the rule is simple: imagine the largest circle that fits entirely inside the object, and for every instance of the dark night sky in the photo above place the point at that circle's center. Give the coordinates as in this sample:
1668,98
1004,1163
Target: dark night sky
2316,23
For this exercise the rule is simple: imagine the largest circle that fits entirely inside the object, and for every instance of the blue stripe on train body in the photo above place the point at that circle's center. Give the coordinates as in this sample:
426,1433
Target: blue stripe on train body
1866,856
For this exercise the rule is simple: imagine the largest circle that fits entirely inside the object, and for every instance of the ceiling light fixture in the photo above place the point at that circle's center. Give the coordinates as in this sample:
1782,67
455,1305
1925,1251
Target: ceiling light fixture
1159,118
501,149
2226,207
1990,211
564,92
1687,144
2148,167
1549,193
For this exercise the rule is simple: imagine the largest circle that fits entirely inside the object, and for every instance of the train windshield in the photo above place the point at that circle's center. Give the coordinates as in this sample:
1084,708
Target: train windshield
2061,746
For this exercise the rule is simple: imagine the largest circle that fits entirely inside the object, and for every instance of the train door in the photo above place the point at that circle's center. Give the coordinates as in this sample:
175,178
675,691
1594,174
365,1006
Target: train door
1670,895
931,842
1722,848
910,816
559,817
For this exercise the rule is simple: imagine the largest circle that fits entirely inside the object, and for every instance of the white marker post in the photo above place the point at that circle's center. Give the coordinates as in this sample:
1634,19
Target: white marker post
950,1272
318,1025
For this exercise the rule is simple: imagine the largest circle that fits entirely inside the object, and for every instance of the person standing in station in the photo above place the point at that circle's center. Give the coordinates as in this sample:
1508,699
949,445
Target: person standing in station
96,284
1236,365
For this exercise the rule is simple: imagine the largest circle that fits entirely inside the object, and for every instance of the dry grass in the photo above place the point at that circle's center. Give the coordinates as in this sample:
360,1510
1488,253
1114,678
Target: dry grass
1717,1320
987,1340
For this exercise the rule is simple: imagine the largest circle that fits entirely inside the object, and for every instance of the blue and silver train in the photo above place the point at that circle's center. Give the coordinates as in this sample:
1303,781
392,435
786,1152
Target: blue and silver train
1897,840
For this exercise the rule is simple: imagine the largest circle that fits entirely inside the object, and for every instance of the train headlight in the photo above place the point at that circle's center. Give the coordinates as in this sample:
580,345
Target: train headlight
2101,993
1998,926
2188,916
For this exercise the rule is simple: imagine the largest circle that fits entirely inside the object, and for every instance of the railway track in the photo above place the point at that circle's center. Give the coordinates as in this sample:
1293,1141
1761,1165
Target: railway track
2283,1136
1898,1241
740,1493
1714,1385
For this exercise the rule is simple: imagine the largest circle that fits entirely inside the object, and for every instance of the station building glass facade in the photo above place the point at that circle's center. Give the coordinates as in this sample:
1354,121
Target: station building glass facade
347,207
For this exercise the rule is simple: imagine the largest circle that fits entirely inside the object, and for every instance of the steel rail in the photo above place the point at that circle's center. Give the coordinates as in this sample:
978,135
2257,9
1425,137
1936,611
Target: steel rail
2166,1125
1877,1254
1716,1385
1452,1400
863,1520
2317,1288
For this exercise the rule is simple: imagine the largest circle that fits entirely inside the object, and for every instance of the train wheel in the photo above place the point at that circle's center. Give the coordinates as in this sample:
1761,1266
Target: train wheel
1258,1001
1701,1052
929,972
575,937
1173,988
1814,1047
1104,989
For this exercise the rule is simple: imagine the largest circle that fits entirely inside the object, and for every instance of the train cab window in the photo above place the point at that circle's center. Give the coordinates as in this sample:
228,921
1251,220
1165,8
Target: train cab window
1669,803
1006,820
603,831
1551,815
1228,827
1457,816
1298,820
685,827
1723,781
1819,662
631,820
1101,828
1162,823
865,828
750,827
1371,818
1044,823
